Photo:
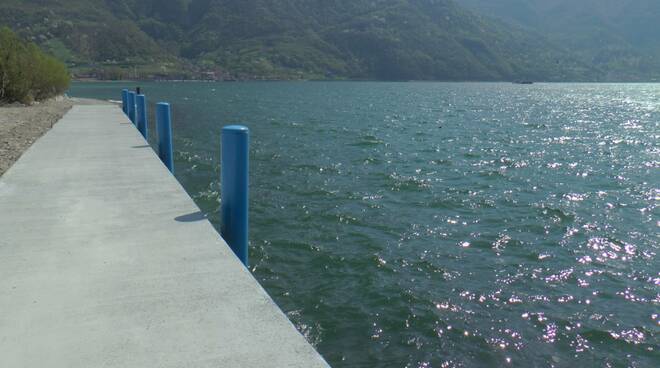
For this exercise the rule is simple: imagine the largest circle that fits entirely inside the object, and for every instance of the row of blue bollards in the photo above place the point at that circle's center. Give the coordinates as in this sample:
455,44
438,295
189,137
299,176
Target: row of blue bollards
135,106
234,176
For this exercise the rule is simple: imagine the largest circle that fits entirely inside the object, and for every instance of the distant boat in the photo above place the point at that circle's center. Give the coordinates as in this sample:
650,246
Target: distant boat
523,82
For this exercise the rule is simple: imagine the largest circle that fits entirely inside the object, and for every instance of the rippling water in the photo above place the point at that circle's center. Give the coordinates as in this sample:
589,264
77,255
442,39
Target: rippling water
444,225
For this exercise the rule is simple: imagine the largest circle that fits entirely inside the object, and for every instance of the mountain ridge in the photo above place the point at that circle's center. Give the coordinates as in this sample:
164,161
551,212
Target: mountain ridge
619,37
290,39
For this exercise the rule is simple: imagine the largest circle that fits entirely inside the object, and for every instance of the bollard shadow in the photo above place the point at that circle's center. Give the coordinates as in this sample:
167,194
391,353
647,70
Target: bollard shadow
192,217
142,146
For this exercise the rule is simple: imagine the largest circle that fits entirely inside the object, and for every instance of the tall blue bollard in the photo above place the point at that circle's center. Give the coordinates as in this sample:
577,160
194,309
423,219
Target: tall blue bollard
142,115
124,100
131,106
164,128
234,175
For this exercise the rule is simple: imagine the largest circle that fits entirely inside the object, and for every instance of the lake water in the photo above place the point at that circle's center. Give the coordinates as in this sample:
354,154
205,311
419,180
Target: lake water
443,224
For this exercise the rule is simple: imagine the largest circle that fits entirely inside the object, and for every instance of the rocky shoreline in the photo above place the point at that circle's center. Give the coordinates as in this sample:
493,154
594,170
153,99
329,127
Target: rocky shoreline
21,125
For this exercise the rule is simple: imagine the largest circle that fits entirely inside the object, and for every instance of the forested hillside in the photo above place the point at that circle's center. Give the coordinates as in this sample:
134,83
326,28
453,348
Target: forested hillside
293,39
619,37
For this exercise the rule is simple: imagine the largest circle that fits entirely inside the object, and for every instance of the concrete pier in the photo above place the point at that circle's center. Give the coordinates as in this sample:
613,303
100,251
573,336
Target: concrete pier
105,261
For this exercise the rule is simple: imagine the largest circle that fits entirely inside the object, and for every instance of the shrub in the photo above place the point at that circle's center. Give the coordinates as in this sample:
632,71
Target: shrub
26,73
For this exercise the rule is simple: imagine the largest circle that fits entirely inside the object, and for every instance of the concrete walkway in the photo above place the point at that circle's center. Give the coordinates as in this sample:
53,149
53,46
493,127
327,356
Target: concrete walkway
96,270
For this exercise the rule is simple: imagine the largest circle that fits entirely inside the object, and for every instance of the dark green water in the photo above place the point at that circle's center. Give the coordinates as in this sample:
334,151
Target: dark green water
443,225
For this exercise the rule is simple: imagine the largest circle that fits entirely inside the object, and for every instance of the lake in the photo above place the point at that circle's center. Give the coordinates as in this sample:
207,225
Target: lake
442,224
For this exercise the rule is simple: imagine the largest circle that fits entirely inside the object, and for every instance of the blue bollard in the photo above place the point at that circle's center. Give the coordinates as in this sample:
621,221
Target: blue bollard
164,128
131,106
124,100
234,179
142,115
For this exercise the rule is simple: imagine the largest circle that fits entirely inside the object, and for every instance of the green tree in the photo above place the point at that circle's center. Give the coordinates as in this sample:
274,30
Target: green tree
27,73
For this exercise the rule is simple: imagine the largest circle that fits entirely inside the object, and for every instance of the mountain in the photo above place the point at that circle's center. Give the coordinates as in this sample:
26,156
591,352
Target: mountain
619,37
87,34
381,39
293,39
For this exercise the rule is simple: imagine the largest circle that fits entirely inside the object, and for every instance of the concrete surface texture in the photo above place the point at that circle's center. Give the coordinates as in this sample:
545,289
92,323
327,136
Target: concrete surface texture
21,126
104,263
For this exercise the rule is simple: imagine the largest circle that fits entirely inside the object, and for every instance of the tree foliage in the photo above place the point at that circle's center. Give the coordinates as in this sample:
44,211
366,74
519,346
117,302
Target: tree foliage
26,73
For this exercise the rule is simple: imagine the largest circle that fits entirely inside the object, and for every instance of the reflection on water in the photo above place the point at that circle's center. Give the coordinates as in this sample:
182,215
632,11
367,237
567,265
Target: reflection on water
442,225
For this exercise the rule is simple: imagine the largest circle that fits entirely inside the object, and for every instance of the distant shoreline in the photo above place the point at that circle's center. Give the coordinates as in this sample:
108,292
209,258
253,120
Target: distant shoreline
91,80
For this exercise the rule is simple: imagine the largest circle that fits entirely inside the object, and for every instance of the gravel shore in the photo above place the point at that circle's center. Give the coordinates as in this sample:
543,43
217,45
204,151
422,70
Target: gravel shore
20,126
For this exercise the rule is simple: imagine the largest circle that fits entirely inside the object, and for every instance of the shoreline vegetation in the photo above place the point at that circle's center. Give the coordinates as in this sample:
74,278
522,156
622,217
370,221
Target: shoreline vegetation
27,74
32,85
